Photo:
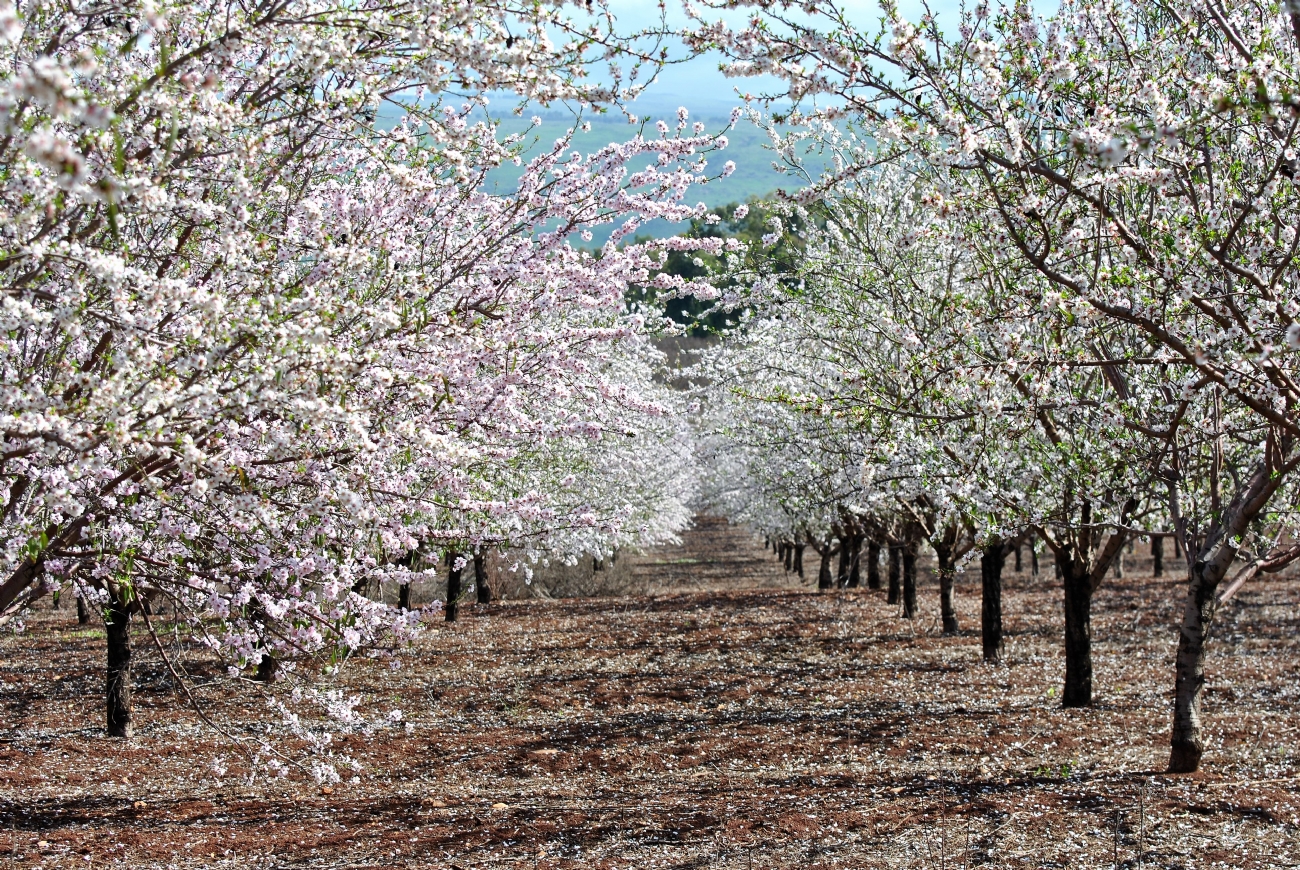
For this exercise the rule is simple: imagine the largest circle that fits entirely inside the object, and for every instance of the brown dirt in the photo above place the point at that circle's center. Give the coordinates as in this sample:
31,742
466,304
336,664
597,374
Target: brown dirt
732,728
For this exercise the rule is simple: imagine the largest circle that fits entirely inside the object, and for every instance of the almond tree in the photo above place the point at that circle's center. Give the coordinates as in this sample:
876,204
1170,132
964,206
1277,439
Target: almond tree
1138,159
266,333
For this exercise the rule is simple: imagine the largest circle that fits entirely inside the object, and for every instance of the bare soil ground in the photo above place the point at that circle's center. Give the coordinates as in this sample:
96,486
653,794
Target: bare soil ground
706,725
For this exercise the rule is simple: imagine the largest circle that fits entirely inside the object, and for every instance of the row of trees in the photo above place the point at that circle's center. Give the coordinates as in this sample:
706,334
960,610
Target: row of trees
1049,292
271,339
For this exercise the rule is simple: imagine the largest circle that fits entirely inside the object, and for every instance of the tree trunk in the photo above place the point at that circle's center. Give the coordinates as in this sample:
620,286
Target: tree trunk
842,570
1157,555
482,585
824,571
855,561
83,612
404,596
1018,558
991,561
947,605
269,668
909,580
1033,559
789,557
1118,567
1078,633
873,565
117,628
1188,745
895,586
1178,548
453,587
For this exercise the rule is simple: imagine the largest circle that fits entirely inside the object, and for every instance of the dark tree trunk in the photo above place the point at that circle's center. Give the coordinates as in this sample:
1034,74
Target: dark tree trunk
855,561
909,580
873,565
1078,633
789,557
482,585
947,580
1188,745
1033,559
1157,555
798,559
1018,559
1118,566
991,562
453,587
824,580
1178,548
404,595
842,570
895,580
269,668
597,564
83,612
117,627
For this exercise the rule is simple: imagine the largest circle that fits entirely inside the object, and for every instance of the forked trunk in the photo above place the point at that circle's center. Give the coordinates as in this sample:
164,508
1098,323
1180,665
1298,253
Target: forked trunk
895,579
873,565
453,587
117,629
991,562
1157,555
909,580
482,584
1078,632
947,604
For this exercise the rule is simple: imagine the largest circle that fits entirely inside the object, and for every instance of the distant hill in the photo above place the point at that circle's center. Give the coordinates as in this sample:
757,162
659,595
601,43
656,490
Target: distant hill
754,176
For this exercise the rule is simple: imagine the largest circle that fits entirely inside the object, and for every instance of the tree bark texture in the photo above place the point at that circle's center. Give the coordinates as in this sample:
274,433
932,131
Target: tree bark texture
842,569
824,580
1157,555
947,602
798,559
873,565
895,577
855,561
482,583
1078,633
453,587
117,629
991,561
83,612
909,580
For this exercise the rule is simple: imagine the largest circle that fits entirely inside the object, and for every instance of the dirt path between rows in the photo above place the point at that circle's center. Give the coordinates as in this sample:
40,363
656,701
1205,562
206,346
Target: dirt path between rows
724,727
